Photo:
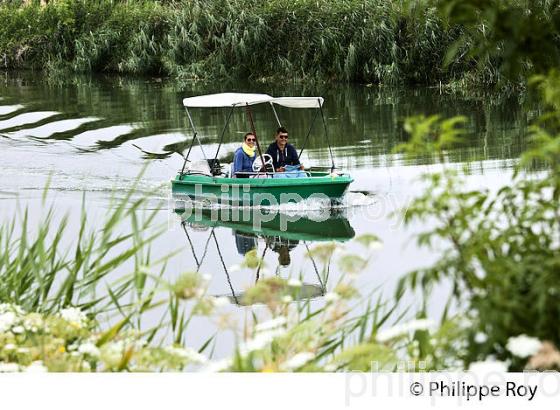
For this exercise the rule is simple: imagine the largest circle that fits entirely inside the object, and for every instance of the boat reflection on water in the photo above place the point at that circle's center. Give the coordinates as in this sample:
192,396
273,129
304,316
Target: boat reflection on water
277,233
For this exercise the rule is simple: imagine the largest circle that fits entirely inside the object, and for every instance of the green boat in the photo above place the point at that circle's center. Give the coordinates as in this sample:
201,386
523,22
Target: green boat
209,181
300,228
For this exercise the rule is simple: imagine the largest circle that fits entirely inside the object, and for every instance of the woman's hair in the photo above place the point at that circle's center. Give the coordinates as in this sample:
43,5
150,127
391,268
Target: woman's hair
246,135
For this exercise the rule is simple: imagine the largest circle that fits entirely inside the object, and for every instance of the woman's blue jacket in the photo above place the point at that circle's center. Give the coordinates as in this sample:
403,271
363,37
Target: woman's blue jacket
242,162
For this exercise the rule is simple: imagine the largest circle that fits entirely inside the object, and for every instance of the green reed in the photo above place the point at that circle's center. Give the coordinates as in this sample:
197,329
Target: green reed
371,41
46,266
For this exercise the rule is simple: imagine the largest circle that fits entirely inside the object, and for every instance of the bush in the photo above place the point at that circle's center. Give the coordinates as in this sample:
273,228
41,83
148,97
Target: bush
370,42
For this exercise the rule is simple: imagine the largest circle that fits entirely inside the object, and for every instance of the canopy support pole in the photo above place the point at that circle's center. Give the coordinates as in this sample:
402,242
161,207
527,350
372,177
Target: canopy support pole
327,135
195,137
308,134
323,287
276,114
184,225
186,157
224,132
261,263
252,124
225,268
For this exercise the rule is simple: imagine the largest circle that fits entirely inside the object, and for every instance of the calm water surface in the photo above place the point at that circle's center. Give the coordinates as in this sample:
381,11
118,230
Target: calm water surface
91,135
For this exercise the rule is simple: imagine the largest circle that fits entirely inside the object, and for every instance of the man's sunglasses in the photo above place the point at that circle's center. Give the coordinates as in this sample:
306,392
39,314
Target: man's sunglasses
283,137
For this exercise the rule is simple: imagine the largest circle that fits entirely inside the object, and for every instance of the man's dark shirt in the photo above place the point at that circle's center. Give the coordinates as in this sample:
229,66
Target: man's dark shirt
281,158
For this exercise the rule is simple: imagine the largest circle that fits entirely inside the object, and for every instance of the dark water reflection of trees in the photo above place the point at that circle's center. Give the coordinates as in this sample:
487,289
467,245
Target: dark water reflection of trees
364,123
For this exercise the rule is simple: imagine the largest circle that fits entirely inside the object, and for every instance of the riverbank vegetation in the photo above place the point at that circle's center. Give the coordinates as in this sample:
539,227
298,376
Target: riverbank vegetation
503,247
372,42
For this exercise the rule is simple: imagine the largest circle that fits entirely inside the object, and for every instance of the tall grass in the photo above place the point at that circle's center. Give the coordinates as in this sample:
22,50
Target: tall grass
46,266
372,41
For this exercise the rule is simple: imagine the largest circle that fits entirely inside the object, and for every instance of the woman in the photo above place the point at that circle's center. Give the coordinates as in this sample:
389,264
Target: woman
244,157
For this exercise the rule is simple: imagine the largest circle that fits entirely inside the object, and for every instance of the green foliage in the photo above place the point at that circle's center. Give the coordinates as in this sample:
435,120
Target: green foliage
188,285
39,274
67,342
371,42
503,248
367,357
518,37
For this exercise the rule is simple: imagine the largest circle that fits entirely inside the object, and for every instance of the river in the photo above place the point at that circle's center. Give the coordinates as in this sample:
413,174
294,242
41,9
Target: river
84,134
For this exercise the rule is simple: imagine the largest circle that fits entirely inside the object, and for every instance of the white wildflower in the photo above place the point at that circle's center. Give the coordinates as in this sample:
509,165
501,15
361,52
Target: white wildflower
332,297
296,361
8,307
17,330
403,329
488,366
72,347
287,299
36,367
112,352
465,322
271,324
295,283
89,348
480,338
9,346
139,344
217,366
523,346
9,367
74,316
33,322
186,354
23,350
375,245
7,320
260,341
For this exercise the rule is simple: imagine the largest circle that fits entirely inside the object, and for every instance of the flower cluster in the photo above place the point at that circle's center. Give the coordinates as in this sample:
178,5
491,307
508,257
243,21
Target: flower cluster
67,341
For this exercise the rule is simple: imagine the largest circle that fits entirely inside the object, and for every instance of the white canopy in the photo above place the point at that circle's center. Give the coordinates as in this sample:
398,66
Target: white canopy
240,99
299,102
225,100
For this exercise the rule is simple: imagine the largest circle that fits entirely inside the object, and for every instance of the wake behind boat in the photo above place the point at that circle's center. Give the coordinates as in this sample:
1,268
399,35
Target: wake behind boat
209,180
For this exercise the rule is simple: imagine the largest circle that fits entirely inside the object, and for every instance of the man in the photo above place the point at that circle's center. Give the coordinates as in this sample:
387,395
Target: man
282,153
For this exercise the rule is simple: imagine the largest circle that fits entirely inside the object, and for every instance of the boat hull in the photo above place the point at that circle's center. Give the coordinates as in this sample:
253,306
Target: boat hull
290,227
260,191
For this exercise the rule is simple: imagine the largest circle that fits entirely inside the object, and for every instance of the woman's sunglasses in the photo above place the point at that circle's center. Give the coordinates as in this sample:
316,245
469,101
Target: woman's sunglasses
250,140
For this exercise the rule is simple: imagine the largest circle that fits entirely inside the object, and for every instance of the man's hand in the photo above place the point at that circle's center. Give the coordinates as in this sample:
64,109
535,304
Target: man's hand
281,169
301,167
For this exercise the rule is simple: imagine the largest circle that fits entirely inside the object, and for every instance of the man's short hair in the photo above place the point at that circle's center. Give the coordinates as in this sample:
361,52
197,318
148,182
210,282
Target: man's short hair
281,130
